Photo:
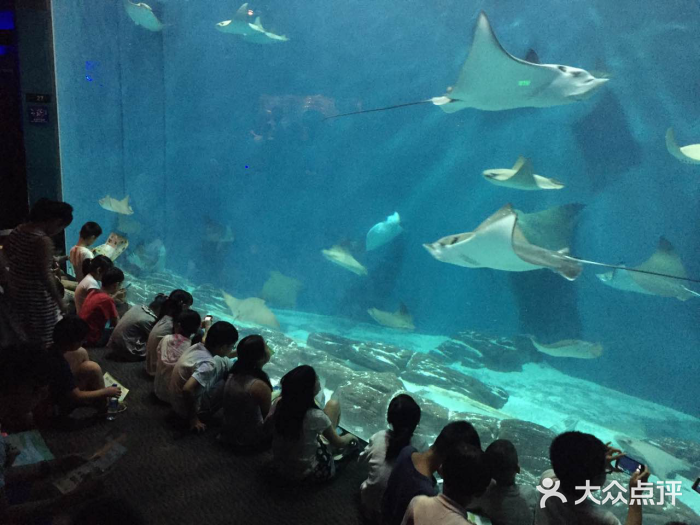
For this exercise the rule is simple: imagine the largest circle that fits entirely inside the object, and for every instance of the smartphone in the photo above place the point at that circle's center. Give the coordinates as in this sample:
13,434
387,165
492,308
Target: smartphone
127,286
208,317
696,486
629,465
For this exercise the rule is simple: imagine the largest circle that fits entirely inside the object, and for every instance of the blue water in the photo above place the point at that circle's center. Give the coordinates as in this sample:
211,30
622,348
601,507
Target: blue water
199,126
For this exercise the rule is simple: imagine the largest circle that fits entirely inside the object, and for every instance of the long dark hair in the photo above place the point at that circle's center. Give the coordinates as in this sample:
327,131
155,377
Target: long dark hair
298,392
174,303
251,350
403,416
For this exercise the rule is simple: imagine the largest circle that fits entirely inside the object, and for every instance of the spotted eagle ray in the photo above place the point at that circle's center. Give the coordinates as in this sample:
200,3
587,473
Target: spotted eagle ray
492,79
500,244
521,176
689,154
142,15
664,261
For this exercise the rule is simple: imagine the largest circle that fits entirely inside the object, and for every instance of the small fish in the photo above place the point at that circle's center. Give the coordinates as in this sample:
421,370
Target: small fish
383,232
400,319
342,257
112,204
142,15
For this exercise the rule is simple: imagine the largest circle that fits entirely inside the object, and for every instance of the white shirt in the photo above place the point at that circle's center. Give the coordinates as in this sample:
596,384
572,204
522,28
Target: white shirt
207,370
77,255
160,330
82,290
557,512
372,489
437,510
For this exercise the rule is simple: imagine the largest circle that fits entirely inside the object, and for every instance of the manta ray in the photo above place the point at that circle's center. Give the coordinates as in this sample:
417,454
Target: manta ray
343,258
251,310
143,16
401,319
112,204
492,79
500,243
250,32
570,348
688,154
665,260
521,176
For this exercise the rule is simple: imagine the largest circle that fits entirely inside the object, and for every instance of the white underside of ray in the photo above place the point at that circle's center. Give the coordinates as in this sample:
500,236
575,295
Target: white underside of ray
142,15
688,154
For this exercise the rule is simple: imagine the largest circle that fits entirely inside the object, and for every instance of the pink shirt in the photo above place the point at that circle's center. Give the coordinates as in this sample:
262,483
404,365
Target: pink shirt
438,510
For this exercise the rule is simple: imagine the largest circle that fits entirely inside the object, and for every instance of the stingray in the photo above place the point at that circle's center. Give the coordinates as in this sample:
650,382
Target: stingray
143,15
343,258
500,243
689,154
492,79
251,310
117,206
570,348
662,464
250,32
401,319
665,260
281,290
521,177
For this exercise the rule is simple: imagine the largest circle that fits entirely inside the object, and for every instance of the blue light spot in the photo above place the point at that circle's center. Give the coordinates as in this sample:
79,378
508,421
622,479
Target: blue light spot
7,20
246,167
88,78
3,50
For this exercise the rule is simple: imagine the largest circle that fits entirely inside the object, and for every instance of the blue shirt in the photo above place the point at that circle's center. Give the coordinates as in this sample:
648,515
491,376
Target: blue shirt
405,483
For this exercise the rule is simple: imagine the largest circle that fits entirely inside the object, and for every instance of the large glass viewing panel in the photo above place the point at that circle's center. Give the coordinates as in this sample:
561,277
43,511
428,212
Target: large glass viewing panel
197,131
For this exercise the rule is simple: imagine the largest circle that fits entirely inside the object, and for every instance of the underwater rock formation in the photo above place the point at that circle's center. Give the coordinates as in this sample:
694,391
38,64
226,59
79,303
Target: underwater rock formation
423,369
476,350
380,357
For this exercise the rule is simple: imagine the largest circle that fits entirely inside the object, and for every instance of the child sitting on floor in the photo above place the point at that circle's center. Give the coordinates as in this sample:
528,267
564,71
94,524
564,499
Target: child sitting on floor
74,380
196,387
505,502
466,475
81,252
171,348
414,472
95,270
99,308
128,341
403,417
178,301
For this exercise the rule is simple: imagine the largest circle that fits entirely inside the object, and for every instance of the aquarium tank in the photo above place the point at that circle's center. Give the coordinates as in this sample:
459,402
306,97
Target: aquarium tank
514,244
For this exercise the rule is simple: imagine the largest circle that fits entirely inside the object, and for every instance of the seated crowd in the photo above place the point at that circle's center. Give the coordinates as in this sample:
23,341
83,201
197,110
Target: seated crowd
200,369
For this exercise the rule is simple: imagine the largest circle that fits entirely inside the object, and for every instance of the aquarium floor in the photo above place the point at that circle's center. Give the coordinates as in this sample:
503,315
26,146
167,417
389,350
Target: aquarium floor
175,477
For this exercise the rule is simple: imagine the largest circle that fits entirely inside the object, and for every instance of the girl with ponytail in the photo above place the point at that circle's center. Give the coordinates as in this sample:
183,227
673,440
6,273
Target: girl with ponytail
403,417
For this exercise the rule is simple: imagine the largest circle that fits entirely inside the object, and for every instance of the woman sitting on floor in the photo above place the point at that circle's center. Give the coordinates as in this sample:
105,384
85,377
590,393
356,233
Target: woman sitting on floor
248,397
299,452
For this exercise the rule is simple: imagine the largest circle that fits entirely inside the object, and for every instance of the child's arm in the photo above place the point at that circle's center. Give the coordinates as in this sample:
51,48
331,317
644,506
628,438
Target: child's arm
634,513
86,397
